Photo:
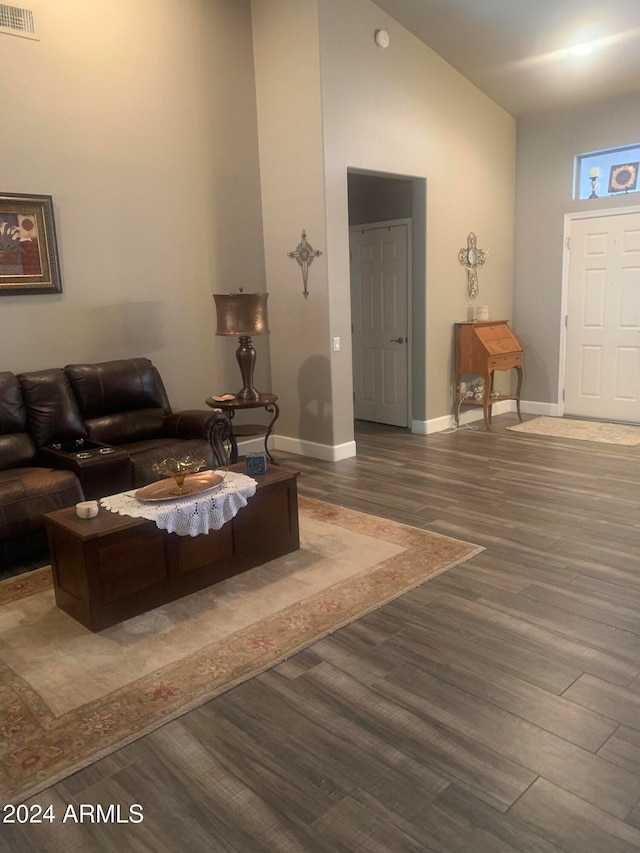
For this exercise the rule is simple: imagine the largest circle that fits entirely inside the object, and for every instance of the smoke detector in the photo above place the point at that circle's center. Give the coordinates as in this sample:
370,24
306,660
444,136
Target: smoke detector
382,38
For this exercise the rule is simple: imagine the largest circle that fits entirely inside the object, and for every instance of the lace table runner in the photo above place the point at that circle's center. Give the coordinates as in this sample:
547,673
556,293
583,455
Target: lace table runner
189,516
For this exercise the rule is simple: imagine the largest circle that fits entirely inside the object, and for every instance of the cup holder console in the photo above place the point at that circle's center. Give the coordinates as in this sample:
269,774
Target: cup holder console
83,448
101,469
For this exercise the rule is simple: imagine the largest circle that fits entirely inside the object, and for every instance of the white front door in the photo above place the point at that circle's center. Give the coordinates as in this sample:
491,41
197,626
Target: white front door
602,367
380,322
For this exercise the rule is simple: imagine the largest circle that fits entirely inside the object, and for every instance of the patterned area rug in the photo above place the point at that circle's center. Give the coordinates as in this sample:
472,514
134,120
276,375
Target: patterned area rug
581,430
69,697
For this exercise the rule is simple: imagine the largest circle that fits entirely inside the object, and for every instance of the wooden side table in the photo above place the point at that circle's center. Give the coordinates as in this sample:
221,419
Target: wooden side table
481,349
264,401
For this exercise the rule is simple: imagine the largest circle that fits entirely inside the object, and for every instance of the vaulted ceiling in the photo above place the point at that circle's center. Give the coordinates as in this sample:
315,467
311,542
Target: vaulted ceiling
519,51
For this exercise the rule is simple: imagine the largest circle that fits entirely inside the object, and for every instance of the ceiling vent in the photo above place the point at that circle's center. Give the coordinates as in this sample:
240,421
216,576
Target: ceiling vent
16,22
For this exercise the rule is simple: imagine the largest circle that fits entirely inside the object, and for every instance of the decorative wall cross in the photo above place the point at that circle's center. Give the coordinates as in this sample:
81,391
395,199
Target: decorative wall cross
472,257
304,255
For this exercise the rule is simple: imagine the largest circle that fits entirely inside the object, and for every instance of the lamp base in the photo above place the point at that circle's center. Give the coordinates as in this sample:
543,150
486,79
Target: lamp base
248,394
246,356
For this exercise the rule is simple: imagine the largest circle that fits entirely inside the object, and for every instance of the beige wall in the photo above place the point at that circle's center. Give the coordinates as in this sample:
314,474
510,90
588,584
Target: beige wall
144,120
139,119
398,111
291,169
403,110
547,145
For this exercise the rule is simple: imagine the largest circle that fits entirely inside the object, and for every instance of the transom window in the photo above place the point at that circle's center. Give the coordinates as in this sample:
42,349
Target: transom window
605,173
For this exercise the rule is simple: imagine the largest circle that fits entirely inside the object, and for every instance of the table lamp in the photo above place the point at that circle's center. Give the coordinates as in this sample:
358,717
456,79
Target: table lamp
243,315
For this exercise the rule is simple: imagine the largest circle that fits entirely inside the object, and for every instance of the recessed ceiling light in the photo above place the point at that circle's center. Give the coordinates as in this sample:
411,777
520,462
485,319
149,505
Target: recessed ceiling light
582,49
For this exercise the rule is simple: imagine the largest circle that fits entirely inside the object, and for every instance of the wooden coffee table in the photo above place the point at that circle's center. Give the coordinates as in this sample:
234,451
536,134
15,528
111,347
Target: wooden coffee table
112,567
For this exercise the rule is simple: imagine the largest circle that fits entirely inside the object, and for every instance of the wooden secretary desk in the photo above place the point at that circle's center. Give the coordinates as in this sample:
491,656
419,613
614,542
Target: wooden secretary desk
483,347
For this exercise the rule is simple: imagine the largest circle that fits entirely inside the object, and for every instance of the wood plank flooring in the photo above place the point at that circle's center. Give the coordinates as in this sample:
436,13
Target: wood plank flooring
495,709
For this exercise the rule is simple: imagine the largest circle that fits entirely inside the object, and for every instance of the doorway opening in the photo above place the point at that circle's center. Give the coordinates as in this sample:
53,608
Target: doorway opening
387,224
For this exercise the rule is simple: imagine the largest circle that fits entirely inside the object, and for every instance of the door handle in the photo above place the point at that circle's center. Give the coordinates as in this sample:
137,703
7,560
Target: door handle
397,340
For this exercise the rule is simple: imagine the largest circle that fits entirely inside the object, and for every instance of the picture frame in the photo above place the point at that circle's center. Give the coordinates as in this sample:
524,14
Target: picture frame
28,248
623,178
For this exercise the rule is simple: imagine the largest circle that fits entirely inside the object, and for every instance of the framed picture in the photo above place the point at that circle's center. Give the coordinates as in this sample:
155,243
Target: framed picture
28,250
623,178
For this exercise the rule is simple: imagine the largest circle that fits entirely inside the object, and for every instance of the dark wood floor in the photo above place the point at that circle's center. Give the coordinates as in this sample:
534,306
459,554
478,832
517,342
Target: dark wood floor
494,709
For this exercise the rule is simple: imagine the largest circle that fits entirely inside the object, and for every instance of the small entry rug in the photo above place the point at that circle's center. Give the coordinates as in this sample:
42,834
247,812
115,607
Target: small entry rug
581,430
69,697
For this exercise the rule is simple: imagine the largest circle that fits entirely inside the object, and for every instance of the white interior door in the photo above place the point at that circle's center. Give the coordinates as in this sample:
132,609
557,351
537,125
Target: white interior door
602,367
380,322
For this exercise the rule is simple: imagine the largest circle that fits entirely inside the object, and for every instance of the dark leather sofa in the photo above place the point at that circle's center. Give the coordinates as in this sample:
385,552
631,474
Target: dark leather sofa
28,488
88,430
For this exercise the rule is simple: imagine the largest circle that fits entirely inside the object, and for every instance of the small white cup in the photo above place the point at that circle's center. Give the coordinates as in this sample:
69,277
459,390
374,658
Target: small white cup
87,509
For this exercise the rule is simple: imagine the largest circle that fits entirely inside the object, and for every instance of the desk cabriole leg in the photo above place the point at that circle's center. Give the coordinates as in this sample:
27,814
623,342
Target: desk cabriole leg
493,376
518,390
488,379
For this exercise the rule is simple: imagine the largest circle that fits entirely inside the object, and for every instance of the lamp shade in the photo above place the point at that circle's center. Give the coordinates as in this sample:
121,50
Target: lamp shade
242,314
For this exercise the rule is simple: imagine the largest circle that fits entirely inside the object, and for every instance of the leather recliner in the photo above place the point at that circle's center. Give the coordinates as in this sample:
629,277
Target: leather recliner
119,408
27,489
122,404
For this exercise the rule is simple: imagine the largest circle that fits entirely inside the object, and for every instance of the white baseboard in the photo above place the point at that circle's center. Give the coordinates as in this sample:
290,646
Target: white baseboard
528,407
334,453
467,416
252,445
326,452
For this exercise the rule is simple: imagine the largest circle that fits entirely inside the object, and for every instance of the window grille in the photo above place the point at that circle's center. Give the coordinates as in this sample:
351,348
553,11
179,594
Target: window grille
16,21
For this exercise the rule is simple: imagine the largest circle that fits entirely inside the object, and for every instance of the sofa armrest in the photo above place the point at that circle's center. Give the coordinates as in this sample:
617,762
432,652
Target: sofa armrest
214,426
